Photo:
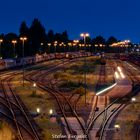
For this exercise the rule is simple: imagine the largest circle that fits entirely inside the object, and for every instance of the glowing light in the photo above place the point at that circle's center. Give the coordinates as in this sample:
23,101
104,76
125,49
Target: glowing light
106,89
76,41
1,40
116,75
14,41
119,69
23,38
122,75
49,44
38,110
117,126
133,99
34,85
84,34
51,112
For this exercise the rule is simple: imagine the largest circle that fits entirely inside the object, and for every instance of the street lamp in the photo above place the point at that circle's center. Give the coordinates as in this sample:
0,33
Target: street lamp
14,43
117,127
50,112
133,99
38,110
76,42
85,35
23,39
1,40
34,88
41,46
55,44
49,44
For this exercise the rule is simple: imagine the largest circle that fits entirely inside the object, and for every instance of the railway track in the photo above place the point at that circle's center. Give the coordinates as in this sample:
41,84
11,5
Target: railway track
136,81
62,101
102,78
19,112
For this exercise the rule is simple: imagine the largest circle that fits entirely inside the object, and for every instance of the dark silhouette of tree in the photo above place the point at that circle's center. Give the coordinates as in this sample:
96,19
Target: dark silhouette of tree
37,36
50,36
64,37
58,37
8,48
111,40
97,41
24,32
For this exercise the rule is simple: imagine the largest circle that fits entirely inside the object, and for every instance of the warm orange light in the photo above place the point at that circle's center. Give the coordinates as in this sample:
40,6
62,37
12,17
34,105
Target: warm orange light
49,44
23,38
76,41
14,41
84,34
1,40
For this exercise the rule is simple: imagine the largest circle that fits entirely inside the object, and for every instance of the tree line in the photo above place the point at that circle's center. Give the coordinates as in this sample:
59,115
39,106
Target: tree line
38,40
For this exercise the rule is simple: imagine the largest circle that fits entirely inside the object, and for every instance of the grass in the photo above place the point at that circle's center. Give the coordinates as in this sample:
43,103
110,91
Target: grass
6,132
128,118
42,100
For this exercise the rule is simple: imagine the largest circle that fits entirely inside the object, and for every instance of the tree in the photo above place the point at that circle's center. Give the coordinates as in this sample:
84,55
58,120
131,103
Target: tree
37,36
24,30
7,49
64,37
97,41
50,36
111,40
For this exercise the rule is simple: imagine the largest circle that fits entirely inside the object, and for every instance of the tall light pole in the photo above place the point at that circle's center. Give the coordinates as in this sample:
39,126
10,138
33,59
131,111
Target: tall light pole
23,39
41,46
85,35
55,45
14,43
49,49
1,40
76,42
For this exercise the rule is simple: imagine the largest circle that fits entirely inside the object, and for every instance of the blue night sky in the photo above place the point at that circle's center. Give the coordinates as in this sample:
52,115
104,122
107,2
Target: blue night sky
120,18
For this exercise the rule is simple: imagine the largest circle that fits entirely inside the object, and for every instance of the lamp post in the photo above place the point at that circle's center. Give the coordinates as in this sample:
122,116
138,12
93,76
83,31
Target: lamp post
41,46
55,45
1,40
14,43
85,35
76,42
34,88
49,45
23,39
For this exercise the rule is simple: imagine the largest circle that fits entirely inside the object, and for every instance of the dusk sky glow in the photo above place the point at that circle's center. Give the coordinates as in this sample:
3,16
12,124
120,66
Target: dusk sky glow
120,18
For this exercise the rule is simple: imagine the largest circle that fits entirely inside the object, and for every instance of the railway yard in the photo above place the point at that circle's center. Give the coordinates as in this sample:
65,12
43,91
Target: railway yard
91,98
